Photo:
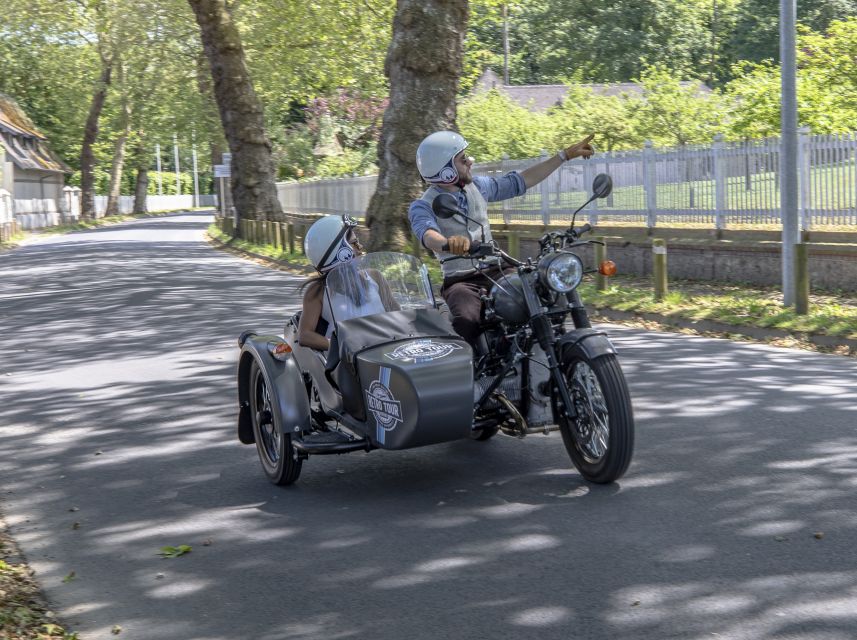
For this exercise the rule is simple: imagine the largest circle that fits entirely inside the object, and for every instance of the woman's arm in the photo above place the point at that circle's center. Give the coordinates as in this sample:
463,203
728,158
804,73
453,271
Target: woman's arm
384,291
307,334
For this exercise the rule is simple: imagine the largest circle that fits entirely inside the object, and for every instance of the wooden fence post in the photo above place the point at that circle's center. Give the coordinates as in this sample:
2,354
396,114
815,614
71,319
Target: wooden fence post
659,267
290,231
514,244
600,256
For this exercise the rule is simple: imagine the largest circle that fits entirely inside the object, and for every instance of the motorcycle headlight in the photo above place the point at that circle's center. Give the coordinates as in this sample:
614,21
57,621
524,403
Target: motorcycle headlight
562,272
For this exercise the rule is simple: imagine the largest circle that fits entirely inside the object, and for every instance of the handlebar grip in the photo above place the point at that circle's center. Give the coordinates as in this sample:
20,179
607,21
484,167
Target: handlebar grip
445,247
584,229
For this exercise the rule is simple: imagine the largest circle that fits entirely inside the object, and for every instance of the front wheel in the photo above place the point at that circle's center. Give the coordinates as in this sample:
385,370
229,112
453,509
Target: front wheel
600,438
275,447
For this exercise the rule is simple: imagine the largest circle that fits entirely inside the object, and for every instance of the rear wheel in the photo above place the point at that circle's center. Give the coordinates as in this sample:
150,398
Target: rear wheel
275,447
600,438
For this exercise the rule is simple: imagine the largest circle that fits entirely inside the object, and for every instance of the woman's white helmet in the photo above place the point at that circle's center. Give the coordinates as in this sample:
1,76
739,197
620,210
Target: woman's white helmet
435,155
326,242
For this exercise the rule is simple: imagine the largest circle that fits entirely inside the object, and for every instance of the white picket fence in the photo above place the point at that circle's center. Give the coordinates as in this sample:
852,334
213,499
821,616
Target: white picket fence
47,212
153,203
719,184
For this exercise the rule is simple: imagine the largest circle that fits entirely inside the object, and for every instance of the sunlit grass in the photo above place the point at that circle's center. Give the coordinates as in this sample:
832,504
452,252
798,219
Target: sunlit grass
829,314
295,257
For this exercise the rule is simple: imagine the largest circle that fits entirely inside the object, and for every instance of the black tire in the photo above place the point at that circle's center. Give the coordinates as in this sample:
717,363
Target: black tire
605,418
274,447
481,435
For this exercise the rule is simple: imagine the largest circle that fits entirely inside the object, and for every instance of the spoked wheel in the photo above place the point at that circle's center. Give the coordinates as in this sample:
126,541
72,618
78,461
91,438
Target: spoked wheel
275,447
600,438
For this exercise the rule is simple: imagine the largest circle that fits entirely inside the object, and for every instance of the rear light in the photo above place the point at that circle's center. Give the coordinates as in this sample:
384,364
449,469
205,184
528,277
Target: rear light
607,268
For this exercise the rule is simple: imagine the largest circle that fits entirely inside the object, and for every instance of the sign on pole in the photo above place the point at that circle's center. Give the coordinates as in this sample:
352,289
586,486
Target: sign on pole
222,171
226,158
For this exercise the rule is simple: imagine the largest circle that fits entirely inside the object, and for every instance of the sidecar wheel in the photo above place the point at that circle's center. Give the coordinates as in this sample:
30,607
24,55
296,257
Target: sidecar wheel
604,422
274,447
484,434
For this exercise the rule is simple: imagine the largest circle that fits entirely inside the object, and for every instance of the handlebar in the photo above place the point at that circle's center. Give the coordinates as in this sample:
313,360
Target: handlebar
482,250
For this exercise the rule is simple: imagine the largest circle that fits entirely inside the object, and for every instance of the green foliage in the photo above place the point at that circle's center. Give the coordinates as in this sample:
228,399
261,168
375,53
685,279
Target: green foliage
756,33
494,125
174,552
827,86
168,183
611,118
673,113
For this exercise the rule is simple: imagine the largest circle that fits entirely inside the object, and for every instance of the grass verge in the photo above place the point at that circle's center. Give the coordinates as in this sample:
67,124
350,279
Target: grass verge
296,258
829,314
23,612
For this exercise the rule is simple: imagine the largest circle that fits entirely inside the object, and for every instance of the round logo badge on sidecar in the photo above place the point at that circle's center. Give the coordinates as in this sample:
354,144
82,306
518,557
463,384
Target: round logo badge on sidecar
382,404
422,351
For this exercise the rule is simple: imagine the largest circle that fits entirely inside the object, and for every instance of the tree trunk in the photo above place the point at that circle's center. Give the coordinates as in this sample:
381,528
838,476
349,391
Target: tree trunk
253,188
423,63
118,165
141,190
141,184
90,133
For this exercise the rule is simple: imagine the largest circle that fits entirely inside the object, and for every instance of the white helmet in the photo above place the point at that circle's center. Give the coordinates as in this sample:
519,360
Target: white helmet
435,154
326,242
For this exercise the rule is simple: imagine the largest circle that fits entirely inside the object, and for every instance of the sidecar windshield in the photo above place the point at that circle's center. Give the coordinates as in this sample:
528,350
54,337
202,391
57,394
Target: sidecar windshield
377,282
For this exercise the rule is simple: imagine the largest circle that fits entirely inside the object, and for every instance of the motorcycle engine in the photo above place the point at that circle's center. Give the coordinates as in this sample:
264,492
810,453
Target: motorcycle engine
510,387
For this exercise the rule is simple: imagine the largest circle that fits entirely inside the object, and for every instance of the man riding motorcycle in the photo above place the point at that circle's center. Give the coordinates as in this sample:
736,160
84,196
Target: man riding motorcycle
443,165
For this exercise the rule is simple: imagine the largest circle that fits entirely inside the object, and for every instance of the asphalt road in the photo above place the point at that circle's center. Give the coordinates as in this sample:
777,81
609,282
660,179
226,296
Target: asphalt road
737,518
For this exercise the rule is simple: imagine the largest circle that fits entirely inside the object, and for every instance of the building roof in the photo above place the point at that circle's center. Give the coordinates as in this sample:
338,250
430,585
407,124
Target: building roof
24,143
541,97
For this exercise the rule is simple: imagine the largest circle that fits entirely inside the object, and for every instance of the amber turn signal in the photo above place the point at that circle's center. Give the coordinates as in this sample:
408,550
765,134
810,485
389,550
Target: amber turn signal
607,268
282,349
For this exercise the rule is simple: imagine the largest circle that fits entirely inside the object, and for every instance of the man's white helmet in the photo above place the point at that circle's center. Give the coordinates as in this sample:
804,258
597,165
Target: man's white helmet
326,242
435,154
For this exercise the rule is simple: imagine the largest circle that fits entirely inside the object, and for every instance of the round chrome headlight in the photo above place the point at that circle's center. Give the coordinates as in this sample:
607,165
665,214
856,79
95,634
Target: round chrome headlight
562,272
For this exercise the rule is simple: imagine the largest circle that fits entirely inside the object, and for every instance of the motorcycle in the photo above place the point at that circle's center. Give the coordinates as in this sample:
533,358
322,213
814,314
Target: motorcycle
403,378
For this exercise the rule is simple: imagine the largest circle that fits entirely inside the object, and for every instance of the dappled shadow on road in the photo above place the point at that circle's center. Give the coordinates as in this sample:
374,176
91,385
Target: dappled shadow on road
121,392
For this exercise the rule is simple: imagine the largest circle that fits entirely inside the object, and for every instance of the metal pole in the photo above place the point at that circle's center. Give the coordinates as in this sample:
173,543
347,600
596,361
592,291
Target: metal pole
788,147
222,198
195,180
176,154
158,162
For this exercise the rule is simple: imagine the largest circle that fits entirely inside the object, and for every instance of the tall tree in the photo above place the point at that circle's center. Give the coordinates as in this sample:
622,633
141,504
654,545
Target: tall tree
756,36
424,64
253,188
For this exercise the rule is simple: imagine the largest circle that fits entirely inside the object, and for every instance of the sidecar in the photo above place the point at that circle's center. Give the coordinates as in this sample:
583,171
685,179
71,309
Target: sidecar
392,379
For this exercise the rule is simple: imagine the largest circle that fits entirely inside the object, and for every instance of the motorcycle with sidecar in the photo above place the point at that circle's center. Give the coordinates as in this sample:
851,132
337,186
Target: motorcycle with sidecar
403,378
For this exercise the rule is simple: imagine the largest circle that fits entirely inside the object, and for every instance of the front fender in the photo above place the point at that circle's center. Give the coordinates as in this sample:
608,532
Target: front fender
588,342
290,403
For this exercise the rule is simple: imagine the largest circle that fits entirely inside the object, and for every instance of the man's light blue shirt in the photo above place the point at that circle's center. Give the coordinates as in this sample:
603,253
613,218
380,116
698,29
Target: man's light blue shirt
492,189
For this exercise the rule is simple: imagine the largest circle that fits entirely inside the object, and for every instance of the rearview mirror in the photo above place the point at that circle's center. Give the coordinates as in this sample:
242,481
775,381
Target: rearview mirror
445,205
602,185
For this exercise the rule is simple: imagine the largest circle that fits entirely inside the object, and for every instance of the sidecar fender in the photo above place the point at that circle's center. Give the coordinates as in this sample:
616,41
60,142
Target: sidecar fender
591,343
285,383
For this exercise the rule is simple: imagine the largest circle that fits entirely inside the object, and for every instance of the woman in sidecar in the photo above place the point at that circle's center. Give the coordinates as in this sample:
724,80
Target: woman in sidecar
332,241
369,362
